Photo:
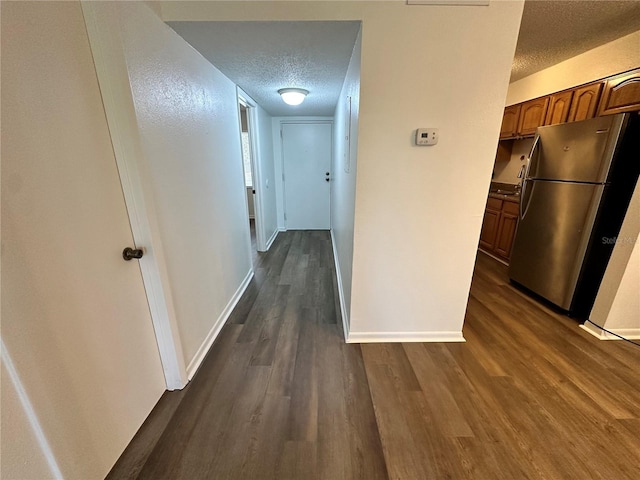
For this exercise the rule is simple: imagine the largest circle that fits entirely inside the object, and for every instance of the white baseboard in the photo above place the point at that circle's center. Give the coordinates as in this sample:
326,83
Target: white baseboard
194,364
272,239
343,306
628,333
404,337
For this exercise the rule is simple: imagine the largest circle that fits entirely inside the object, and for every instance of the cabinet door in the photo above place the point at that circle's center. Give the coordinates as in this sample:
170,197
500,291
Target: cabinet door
585,102
506,229
621,94
532,115
490,224
509,128
559,105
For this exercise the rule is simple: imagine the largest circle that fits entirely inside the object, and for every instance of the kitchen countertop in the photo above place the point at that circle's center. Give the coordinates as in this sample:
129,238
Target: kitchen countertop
515,198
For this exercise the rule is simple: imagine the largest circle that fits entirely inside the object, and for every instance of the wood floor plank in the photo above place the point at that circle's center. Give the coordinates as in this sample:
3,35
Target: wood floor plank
282,396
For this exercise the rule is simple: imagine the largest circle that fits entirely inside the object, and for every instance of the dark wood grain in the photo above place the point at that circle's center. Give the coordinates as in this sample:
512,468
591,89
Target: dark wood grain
281,395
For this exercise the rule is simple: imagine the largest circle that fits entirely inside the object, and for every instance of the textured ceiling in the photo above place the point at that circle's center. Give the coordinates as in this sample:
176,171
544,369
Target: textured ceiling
262,57
552,31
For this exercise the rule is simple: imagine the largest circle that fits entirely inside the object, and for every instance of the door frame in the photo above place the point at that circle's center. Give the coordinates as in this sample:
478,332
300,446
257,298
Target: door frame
256,171
111,71
303,121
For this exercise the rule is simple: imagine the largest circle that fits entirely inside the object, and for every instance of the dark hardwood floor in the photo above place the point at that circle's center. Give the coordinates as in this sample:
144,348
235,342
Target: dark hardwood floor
281,396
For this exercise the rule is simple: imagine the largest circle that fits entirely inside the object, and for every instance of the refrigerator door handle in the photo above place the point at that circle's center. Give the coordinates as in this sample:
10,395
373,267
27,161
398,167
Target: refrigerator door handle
523,206
531,156
523,190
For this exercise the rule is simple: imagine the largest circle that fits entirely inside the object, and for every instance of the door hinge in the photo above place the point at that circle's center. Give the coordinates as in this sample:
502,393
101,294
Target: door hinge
280,134
285,217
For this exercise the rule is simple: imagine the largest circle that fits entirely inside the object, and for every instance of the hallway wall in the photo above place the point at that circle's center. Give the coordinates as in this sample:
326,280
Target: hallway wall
418,210
343,188
187,114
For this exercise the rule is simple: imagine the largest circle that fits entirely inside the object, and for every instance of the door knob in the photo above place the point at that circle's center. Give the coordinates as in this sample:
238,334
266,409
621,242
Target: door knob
131,253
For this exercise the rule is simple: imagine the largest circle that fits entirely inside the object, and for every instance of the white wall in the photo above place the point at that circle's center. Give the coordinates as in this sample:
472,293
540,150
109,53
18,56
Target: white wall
188,119
75,320
343,187
507,171
22,455
267,174
616,306
608,59
415,234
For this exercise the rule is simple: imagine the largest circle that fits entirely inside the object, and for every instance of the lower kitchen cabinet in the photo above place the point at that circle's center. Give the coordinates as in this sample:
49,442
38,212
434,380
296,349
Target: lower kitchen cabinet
506,229
499,227
490,224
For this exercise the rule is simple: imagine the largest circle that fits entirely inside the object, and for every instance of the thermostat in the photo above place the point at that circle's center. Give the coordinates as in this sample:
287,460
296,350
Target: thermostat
426,136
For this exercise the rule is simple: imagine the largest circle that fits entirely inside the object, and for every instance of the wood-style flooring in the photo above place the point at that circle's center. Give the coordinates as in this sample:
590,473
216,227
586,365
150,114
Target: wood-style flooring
281,396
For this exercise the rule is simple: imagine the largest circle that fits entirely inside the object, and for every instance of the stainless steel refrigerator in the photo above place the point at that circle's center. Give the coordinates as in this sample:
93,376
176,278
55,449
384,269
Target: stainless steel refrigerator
579,181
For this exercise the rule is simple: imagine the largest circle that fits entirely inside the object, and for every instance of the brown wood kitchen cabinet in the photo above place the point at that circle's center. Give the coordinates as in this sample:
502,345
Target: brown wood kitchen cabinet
506,229
499,227
490,224
509,128
559,107
621,93
585,102
532,115
573,105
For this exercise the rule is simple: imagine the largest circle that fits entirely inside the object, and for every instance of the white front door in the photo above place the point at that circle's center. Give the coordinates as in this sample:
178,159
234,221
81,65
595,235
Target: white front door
306,157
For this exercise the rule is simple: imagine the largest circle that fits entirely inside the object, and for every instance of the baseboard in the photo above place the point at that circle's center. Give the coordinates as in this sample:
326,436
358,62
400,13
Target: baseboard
628,333
272,239
194,364
501,260
343,306
404,337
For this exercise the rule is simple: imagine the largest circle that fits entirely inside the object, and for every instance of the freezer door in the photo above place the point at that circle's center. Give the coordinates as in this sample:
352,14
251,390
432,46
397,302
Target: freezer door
552,237
576,152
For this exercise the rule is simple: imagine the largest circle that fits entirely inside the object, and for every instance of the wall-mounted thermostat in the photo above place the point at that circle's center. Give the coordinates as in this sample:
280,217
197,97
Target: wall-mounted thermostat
426,136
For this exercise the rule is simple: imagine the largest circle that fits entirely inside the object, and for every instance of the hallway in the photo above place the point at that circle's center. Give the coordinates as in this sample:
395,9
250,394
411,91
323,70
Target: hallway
261,406
281,396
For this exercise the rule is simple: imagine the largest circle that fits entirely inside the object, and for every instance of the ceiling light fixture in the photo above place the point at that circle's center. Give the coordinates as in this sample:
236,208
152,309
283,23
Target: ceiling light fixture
293,96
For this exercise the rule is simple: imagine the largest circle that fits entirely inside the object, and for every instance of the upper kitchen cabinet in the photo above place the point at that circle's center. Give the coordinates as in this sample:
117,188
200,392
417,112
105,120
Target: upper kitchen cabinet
573,105
559,107
532,115
509,128
621,94
585,102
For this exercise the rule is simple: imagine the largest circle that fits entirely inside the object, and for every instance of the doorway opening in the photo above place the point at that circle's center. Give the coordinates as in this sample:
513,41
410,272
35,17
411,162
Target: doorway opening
251,174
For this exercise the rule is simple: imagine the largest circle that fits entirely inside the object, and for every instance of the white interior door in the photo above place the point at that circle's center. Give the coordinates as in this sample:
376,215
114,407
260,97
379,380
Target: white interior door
306,158
75,319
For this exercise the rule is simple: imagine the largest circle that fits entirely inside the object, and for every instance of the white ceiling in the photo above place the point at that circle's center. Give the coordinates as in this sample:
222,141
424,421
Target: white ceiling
262,57
552,31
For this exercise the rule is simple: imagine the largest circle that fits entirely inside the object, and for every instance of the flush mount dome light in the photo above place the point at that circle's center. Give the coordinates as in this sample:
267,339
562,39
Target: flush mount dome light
293,96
